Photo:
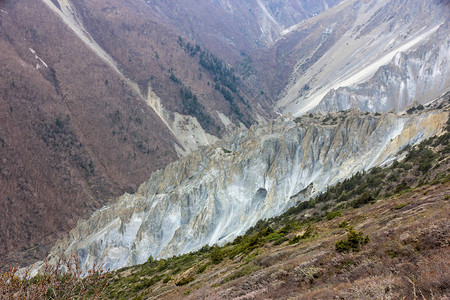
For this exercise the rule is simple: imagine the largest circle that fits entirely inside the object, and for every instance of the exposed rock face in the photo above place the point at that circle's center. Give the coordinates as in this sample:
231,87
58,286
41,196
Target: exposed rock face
218,192
359,53
415,77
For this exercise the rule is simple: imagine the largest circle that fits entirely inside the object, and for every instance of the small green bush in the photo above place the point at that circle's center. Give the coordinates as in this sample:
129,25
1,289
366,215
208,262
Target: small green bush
280,241
400,206
309,232
333,214
185,280
202,268
216,255
244,271
295,239
365,198
275,236
343,224
355,240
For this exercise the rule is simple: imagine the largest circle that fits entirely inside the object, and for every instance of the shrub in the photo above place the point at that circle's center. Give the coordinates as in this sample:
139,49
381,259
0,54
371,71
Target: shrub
202,268
309,232
424,167
355,240
333,214
146,283
280,241
174,78
216,255
343,224
185,280
295,239
274,237
244,271
365,198
205,249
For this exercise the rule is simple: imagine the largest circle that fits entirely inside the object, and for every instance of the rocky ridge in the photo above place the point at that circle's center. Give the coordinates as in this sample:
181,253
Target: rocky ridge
218,192
391,50
410,78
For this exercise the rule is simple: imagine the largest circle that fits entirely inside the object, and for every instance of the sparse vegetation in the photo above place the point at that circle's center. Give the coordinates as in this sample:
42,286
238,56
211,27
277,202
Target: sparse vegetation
400,206
355,240
225,79
296,228
216,255
333,214
185,280
62,280
192,107
174,79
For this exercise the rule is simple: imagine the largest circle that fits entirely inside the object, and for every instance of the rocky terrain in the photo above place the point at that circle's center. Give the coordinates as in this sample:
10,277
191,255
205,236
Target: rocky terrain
217,193
381,234
95,96
355,59
406,257
412,78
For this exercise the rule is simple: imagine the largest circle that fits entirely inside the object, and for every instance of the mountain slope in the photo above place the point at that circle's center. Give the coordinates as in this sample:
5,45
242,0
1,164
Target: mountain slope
217,193
380,234
336,49
412,78
95,96
230,27
406,256
71,135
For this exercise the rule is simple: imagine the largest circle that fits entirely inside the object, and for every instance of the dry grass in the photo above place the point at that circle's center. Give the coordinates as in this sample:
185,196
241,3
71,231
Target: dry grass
63,280
407,257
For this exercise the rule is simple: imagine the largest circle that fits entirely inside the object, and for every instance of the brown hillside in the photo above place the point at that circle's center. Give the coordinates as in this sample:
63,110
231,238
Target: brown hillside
150,50
74,131
71,134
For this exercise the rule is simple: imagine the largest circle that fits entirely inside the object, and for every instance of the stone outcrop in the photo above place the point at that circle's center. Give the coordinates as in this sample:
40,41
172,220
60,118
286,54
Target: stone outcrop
373,55
410,78
218,192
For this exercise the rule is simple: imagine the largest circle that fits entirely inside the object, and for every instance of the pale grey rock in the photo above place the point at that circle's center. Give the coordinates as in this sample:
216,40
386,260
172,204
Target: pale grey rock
409,79
218,192
369,54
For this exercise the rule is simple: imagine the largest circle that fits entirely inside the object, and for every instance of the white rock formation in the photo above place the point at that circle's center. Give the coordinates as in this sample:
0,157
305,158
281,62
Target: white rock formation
218,192
410,78
369,51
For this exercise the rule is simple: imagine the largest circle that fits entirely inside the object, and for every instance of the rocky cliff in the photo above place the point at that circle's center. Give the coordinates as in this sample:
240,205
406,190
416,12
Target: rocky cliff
366,54
218,192
410,78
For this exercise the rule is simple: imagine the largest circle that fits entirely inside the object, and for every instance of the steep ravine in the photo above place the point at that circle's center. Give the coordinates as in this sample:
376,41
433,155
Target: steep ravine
218,192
